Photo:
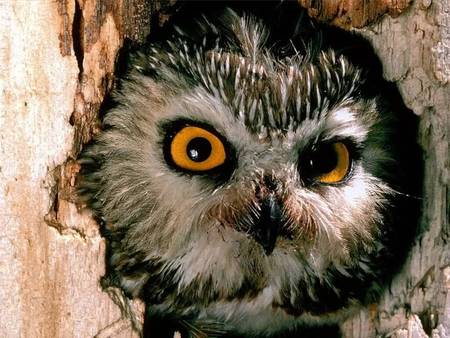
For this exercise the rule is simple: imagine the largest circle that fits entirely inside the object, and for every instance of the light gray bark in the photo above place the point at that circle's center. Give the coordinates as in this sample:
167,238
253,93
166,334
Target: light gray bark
56,63
415,52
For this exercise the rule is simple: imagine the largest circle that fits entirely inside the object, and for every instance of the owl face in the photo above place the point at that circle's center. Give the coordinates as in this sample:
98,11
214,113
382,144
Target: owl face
271,192
242,185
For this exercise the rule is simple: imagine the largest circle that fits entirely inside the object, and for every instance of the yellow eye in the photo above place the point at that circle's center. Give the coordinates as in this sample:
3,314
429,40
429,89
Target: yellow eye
196,149
330,163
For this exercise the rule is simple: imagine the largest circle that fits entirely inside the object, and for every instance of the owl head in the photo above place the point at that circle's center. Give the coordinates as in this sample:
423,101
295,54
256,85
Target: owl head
246,178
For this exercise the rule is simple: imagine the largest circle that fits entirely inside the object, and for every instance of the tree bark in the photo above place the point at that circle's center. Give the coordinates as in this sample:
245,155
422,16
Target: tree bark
353,13
56,66
415,51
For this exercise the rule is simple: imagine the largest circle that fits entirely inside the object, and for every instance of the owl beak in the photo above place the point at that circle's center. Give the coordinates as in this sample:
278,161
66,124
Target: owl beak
266,228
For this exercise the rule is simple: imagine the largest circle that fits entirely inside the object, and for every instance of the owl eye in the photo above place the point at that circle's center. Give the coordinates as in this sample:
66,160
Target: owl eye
196,149
329,164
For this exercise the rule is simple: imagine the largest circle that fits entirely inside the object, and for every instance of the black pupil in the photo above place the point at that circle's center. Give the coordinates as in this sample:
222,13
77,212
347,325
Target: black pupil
323,161
199,149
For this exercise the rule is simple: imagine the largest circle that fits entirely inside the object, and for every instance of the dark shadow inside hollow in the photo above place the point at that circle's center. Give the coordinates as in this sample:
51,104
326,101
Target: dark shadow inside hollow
286,18
164,328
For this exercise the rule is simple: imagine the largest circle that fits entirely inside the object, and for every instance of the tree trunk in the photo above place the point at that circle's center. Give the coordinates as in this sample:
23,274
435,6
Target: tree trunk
56,65
415,51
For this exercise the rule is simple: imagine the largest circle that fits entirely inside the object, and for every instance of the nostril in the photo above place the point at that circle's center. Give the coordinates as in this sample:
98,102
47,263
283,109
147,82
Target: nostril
270,182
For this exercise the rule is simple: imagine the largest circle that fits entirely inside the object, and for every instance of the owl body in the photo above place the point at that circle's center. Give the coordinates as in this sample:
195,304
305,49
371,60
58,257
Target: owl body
245,181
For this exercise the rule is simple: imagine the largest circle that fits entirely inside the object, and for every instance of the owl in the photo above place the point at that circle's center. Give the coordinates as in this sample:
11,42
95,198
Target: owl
248,175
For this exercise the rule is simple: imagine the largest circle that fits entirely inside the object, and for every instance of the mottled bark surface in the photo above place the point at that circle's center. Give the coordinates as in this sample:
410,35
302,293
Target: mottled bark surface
415,52
56,65
353,13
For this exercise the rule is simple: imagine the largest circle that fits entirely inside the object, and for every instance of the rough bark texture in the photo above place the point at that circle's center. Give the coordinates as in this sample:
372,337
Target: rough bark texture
353,13
56,64
415,51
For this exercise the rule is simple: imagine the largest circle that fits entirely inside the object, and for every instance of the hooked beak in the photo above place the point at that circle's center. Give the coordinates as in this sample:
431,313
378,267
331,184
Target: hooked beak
265,230
267,226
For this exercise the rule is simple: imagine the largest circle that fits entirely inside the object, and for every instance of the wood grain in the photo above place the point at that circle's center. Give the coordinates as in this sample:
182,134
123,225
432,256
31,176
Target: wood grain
353,13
